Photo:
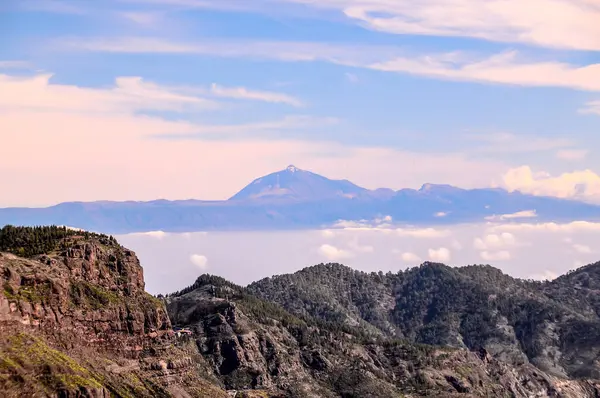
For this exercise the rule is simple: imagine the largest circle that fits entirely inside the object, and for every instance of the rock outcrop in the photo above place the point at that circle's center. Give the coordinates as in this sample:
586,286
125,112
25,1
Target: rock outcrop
77,322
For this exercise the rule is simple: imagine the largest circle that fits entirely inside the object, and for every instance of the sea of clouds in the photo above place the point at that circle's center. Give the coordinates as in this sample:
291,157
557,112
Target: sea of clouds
527,250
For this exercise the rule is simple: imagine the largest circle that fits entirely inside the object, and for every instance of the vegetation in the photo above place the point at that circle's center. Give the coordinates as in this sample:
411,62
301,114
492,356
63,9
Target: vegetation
32,241
84,294
26,356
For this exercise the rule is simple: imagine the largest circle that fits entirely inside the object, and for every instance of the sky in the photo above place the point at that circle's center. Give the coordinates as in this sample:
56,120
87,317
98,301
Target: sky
527,250
179,99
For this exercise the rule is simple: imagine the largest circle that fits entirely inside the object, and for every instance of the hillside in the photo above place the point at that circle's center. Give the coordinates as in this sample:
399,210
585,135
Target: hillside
299,199
75,322
554,325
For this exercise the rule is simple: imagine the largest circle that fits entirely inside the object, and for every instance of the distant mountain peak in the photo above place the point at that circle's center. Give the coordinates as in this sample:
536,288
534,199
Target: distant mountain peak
297,184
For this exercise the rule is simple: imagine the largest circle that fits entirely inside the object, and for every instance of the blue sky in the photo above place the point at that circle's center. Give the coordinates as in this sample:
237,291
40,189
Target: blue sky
154,96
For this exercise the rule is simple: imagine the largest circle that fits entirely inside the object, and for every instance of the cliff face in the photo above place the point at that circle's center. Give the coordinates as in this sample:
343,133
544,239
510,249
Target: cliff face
76,321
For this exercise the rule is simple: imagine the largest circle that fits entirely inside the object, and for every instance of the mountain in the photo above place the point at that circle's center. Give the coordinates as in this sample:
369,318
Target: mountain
298,199
293,183
75,322
553,325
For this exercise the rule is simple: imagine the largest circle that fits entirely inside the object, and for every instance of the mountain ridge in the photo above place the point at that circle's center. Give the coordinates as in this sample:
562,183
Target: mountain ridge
301,199
75,321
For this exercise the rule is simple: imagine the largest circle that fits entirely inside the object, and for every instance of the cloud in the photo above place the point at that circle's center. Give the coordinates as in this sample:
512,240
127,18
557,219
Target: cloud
327,233
591,107
129,94
199,261
502,255
439,255
575,226
244,93
582,185
351,77
358,248
511,216
456,245
503,68
510,67
512,143
425,233
106,130
332,253
572,154
411,258
52,6
544,276
494,241
142,18
441,214
583,249
153,234
569,24
14,65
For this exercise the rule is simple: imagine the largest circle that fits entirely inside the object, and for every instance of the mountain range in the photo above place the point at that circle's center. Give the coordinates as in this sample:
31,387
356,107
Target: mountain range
297,199
75,321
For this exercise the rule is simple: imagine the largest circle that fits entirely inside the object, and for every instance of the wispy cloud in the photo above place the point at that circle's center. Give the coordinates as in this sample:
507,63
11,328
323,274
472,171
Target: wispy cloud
53,6
351,77
572,154
512,216
570,24
591,107
143,18
244,93
509,68
511,143
14,65
127,95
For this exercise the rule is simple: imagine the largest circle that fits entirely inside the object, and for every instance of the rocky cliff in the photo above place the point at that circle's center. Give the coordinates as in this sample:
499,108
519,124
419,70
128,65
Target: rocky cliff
254,344
76,321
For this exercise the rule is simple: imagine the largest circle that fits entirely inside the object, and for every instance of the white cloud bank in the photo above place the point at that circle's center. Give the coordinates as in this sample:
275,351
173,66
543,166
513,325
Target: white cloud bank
410,258
581,185
199,261
502,255
551,227
440,255
333,253
494,241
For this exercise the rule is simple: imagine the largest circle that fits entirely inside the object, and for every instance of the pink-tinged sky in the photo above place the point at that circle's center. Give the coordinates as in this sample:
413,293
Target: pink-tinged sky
178,99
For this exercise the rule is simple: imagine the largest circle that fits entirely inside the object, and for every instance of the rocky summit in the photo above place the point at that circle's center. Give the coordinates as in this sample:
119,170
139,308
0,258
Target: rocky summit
75,321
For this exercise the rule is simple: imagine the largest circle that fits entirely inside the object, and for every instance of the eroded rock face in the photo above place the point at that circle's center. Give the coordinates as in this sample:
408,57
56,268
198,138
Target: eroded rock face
248,347
78,323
